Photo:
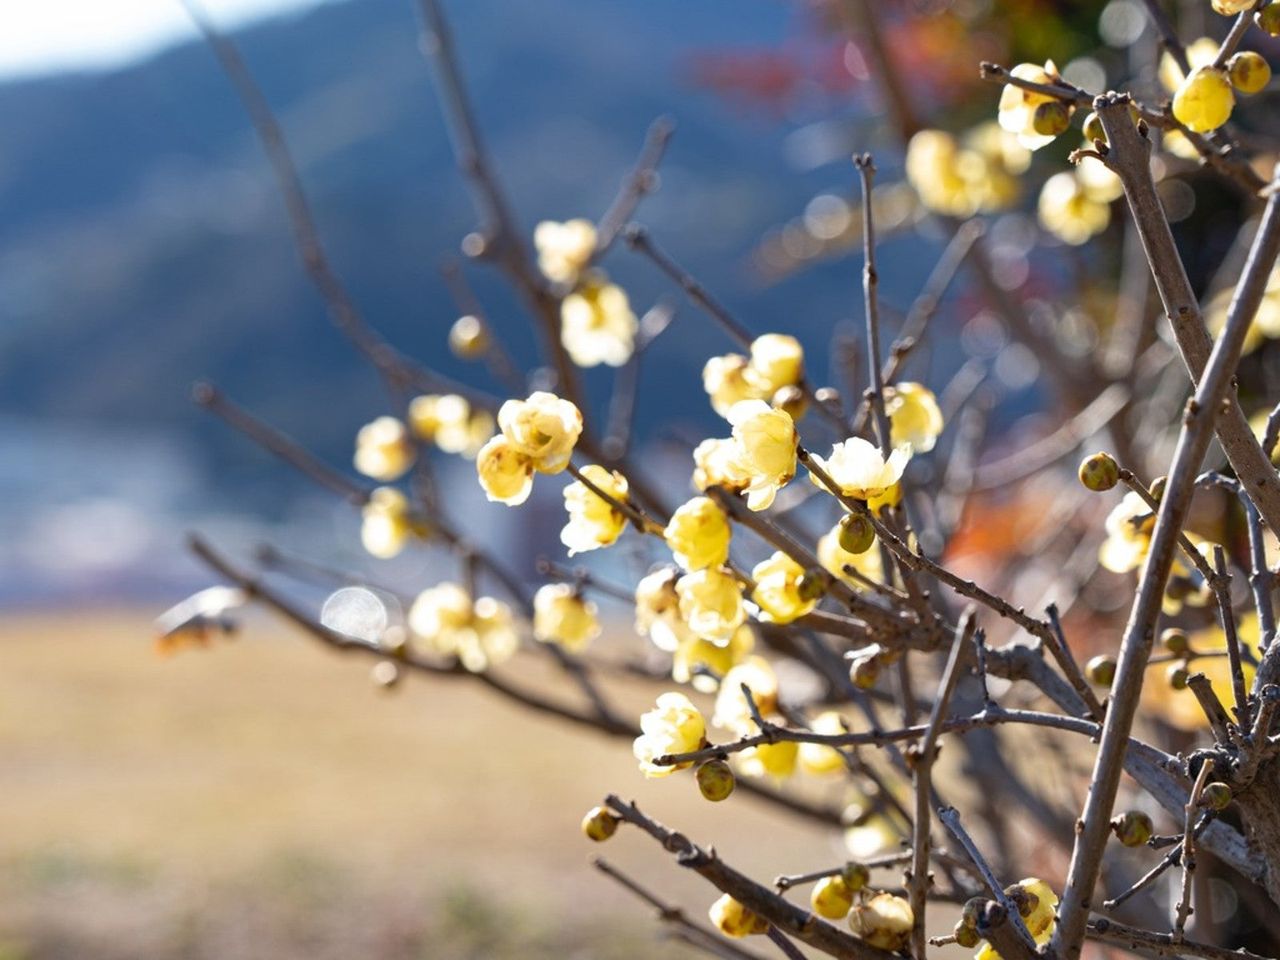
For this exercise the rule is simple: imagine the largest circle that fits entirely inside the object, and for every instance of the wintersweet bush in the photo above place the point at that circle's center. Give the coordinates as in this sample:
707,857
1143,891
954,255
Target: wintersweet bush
856,576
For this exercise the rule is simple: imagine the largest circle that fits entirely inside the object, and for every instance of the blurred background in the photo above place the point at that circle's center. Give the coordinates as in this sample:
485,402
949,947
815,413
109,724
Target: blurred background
265,801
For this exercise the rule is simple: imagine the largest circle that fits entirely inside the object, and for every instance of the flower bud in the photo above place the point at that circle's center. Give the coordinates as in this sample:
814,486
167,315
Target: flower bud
734,920
1101,670
1024,899
812,585
884,921
1093,129
856,533
831,898
1157,488
791,400
1204,101
1099,472
468,339
1249,71
864,672
966,936
599,824
1133,828
1216,795
972,911
1268,18
1178,676
1051,119
1175,641
715,780
856,876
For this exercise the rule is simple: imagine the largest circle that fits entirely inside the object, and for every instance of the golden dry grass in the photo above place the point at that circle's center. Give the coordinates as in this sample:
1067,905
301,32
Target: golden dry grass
263,799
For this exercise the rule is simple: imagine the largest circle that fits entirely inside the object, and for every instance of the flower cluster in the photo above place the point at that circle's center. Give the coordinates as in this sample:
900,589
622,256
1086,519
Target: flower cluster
776,363
538,435
479,633
960,177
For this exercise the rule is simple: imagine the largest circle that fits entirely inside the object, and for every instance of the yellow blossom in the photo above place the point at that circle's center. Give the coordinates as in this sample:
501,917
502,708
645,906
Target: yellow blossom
386,522
914,417
777,760
718,463
698,534
858,469
673,726
658,610
450,423
695,655
596,323
777,591
564,249
767,449
1068,212
544,428
726,382
884,921
1231,8
506,474
479,634
593,521
819,758
1017,110
563,617
960,180
1129,527
711,603
1205,99
732,712
834,559
734,920
384,450
777,361
1039,922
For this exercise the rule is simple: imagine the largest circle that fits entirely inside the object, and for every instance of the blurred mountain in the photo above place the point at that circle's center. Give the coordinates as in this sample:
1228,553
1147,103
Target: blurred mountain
144,245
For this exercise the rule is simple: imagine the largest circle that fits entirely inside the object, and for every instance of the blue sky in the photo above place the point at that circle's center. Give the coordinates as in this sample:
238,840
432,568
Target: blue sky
47,36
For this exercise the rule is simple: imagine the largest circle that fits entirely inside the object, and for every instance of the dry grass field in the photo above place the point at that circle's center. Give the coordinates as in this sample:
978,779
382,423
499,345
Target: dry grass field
263,799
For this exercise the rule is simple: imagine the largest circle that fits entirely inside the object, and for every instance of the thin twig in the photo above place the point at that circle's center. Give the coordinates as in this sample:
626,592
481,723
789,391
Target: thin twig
1188,855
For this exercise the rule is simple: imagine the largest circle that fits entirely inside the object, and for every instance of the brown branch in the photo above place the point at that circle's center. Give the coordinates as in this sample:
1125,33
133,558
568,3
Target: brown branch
918,881
1188,854
639,183
1160,944
786,916
871,303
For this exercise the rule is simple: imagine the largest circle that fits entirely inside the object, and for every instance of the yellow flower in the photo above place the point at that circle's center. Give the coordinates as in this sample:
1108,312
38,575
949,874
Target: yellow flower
698,534
593,521
834,559
884,921
777,760
694,656
563,617
726,381
777,591
914,417
505,473
564,249
658,610
1039,922
450,423
711,603
1205,100
1018,107
673,726
1068,211
857,468
718,463
777,361
734,920
384,450
544,428
961,180
386,523
1180,707
1230,8
479,635
596,323
818,758
732,711
1129,527
767,449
